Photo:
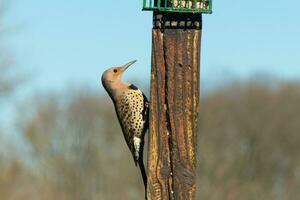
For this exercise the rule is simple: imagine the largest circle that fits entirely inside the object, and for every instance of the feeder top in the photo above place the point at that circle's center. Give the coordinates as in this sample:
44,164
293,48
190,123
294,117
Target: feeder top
180,6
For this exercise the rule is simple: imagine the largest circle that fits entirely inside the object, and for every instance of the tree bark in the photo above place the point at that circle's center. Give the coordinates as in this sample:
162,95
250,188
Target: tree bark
174,106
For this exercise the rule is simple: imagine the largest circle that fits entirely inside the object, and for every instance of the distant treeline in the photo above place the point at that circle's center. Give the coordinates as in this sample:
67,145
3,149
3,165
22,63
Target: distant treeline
248,147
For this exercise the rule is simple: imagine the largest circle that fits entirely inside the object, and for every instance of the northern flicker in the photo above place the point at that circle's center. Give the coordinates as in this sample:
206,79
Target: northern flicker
132,108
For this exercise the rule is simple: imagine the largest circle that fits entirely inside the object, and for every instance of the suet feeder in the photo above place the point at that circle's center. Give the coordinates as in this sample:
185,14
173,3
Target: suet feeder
180,6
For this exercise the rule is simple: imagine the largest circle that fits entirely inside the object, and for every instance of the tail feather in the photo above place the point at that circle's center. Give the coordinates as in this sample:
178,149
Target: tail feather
144,175
140,162
143,172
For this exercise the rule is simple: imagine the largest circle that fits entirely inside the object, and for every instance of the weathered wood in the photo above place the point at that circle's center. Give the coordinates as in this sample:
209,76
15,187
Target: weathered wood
174,106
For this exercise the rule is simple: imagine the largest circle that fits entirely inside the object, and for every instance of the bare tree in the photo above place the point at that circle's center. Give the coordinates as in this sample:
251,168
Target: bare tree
249,142
78,148
8,73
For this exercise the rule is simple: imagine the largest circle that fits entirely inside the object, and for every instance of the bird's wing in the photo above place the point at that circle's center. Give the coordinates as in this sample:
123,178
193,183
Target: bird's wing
132,113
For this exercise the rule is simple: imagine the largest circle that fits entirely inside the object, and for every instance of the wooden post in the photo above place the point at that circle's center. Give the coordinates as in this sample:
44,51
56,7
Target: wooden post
174,106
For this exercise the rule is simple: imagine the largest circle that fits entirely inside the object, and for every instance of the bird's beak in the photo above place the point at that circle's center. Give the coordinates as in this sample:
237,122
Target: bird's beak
127,65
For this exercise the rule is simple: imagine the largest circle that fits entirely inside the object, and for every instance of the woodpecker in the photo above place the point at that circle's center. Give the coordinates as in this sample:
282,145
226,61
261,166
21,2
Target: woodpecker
132,108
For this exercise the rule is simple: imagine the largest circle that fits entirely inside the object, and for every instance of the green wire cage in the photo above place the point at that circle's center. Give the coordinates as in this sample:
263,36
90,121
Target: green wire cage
181,6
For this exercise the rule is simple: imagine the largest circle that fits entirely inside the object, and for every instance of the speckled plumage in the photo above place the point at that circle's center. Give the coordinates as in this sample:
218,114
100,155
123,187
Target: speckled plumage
132,111
132,108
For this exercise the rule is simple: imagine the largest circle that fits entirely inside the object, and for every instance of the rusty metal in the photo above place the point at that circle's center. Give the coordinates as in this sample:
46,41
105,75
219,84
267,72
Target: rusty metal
174,106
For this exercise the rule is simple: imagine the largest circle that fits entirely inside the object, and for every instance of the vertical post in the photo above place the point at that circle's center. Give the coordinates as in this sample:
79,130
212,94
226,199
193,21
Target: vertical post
174,106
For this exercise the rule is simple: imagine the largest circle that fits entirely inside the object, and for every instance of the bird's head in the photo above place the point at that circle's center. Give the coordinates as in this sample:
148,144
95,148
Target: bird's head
112,77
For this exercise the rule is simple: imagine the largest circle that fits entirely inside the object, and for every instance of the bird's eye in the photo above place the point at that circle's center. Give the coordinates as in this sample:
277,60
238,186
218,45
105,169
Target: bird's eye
115,70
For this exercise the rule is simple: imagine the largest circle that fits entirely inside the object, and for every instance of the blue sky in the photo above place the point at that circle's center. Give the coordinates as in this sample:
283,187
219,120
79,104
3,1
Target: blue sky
65,43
